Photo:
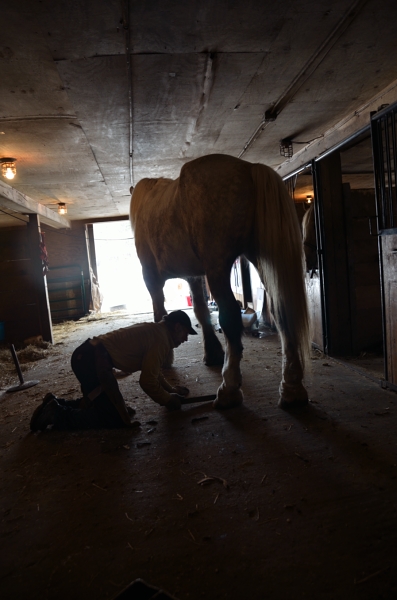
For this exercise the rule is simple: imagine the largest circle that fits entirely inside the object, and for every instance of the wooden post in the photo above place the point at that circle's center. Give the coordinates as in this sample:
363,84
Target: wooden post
39,281
91,248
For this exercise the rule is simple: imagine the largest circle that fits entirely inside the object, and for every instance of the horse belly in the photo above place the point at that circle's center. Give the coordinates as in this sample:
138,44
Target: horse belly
179,261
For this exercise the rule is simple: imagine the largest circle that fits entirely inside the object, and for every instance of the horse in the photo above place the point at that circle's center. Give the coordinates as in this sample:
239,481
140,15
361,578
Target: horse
310,240
221,207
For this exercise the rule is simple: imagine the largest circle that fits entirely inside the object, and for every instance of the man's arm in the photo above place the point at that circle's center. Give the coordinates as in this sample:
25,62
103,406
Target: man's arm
152,380
177,389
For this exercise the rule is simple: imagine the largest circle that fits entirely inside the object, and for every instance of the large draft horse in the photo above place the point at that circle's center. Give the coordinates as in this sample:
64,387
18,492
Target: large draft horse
220,208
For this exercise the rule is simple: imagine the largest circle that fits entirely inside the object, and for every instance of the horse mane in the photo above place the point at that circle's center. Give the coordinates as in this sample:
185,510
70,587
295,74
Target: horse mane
280,254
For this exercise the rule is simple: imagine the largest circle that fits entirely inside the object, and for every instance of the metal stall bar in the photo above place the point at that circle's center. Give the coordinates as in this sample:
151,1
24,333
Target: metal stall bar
383,130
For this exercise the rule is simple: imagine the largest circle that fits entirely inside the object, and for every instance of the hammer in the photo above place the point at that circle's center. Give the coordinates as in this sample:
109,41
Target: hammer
195,399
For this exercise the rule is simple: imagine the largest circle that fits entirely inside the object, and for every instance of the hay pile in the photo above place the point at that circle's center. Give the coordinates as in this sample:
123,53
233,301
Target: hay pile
27,354
35,348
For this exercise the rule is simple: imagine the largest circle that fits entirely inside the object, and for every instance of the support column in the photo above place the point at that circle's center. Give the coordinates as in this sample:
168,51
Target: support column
39,281
91,248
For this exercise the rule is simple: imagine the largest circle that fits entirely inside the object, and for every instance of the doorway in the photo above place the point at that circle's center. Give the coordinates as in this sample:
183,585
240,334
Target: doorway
301,188
120,273
348,252
344,290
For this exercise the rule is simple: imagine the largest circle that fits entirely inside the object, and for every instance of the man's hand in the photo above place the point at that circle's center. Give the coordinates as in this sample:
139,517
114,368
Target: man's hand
174,403
180,390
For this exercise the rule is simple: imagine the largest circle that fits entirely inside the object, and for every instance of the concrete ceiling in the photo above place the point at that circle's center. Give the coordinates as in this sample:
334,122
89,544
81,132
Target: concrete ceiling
96,94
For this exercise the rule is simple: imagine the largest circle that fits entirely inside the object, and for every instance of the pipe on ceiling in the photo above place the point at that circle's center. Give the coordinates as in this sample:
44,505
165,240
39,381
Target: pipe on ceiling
308,69
127,30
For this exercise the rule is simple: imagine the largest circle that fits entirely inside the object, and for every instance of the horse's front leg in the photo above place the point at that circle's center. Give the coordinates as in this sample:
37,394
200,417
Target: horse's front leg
213,351
155,284
229,393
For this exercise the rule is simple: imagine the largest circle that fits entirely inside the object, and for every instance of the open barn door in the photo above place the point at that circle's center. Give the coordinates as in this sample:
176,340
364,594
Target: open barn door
384,145
301,188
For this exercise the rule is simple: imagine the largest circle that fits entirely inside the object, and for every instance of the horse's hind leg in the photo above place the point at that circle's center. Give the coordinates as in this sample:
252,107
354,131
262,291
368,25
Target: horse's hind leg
229,392
292,392
213,351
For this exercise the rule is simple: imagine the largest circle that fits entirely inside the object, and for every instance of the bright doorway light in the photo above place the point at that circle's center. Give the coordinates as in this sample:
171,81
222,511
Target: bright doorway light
120,272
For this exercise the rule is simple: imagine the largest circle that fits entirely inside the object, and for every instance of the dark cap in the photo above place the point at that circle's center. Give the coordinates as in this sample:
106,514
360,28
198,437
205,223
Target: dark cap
179,316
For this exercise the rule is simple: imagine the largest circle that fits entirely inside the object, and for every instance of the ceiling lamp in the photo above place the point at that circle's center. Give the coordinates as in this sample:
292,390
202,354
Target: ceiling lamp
8,169
62,208
309,199
286,148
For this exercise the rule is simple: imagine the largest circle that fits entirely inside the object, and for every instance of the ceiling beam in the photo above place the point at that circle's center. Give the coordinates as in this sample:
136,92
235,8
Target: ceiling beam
18,202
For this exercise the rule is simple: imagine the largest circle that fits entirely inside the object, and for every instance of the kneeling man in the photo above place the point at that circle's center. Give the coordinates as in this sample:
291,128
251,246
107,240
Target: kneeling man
144,347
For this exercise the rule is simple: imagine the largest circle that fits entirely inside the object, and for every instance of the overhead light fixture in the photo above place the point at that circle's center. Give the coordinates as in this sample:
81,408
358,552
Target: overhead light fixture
286,148
8,169
309,199
62,208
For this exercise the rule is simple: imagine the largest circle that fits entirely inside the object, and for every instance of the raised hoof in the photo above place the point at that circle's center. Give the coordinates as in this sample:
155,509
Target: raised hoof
226,399
292,397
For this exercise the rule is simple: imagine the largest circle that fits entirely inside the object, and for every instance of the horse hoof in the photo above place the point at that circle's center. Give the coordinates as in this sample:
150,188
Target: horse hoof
292,396
225,399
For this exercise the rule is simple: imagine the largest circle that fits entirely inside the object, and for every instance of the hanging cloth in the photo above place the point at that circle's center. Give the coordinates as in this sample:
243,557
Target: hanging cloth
43,254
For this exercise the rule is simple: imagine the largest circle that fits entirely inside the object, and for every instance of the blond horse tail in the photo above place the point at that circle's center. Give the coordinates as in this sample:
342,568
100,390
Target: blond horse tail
280,257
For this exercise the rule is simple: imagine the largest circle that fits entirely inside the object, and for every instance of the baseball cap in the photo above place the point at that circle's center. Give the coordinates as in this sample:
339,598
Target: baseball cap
179,316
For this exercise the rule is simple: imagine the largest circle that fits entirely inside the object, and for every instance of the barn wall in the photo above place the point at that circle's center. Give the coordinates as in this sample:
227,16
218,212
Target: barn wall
69,274
67,246
20,296
363,259
20,300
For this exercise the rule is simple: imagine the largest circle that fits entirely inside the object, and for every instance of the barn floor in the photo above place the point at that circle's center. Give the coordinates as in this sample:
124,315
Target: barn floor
292,506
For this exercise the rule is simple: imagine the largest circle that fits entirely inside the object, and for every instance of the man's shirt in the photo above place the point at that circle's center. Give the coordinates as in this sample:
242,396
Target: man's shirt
142,347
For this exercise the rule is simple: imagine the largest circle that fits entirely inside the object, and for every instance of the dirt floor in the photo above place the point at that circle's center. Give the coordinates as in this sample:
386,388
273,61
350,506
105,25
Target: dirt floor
250,503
